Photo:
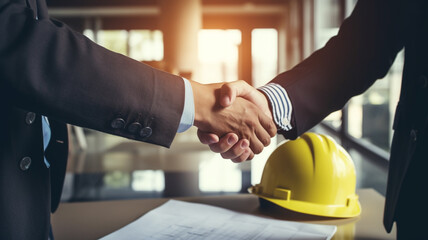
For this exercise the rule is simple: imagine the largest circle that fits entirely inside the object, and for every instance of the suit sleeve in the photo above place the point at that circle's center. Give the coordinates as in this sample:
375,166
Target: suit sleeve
48,68
362,52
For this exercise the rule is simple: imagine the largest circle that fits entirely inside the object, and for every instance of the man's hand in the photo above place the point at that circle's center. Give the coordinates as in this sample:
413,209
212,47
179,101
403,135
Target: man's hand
229,146
230,91
240,119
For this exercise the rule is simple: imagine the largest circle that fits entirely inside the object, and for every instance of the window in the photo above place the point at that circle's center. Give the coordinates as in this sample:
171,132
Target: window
141,45
114,40
146,45
218,55
264,53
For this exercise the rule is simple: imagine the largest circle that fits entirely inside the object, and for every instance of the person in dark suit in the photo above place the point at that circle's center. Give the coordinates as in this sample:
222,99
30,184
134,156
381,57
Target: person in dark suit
362,52
51,75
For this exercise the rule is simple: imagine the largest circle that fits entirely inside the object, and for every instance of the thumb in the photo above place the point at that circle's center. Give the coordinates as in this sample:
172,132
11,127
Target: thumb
229,91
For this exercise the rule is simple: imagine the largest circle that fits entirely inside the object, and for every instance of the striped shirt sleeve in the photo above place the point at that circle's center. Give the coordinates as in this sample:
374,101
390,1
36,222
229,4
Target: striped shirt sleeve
281,105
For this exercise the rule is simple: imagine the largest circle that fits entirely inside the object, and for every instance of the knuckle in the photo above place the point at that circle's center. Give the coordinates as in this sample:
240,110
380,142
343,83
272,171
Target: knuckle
252,125
215,148
227,87
272,126
266,141
224,155
229,154
274,130
240,159
235,152
257,149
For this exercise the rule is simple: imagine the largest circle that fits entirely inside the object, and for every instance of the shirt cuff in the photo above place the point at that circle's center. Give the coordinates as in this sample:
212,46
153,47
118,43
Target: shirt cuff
188,115
281,105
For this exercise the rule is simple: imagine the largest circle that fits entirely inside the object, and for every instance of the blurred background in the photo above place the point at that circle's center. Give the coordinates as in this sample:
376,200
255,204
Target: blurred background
215,41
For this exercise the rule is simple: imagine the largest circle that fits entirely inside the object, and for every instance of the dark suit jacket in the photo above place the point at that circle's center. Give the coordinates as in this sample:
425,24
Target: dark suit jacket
362,52
46,68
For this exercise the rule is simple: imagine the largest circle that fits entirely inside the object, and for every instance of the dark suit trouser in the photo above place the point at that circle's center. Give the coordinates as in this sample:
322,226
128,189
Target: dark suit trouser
412,209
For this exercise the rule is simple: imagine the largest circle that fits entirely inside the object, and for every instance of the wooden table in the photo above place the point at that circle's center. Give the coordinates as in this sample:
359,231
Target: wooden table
92,220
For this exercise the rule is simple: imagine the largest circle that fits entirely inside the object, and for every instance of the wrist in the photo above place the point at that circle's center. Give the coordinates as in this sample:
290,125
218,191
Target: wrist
204,99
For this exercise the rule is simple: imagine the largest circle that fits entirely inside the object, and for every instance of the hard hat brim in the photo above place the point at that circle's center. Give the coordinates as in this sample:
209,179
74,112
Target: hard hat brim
353,209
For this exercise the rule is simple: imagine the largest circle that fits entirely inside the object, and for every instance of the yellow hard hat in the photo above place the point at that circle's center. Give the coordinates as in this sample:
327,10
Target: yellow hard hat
311,175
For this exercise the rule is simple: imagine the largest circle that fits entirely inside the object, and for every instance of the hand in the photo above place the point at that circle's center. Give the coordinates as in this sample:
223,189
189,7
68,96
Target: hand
228,146
230,91
242,118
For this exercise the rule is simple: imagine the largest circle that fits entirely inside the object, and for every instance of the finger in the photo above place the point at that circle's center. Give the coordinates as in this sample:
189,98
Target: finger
264,130
207,138
261,133
251,156
225,143
229,92
255,144
243,157
237,150
268,124
256,134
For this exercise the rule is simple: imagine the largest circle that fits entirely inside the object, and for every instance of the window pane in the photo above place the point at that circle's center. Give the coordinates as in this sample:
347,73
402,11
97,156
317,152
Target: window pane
218,55
264,53
218,175
114,40
89,34
146,45
148,180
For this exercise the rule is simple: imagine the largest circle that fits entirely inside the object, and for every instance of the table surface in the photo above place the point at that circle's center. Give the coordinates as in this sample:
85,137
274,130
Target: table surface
92,220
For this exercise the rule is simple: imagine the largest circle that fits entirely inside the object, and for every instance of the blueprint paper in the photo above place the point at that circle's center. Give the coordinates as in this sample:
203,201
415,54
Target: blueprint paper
193,221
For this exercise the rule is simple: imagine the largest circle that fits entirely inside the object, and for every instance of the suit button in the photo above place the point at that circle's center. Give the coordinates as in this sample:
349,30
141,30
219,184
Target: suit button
146,132
134,127
413,135
422,81
30,117
117,123
25,163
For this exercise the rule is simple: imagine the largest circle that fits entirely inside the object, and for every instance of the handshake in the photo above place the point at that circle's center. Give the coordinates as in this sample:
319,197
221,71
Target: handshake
234,119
